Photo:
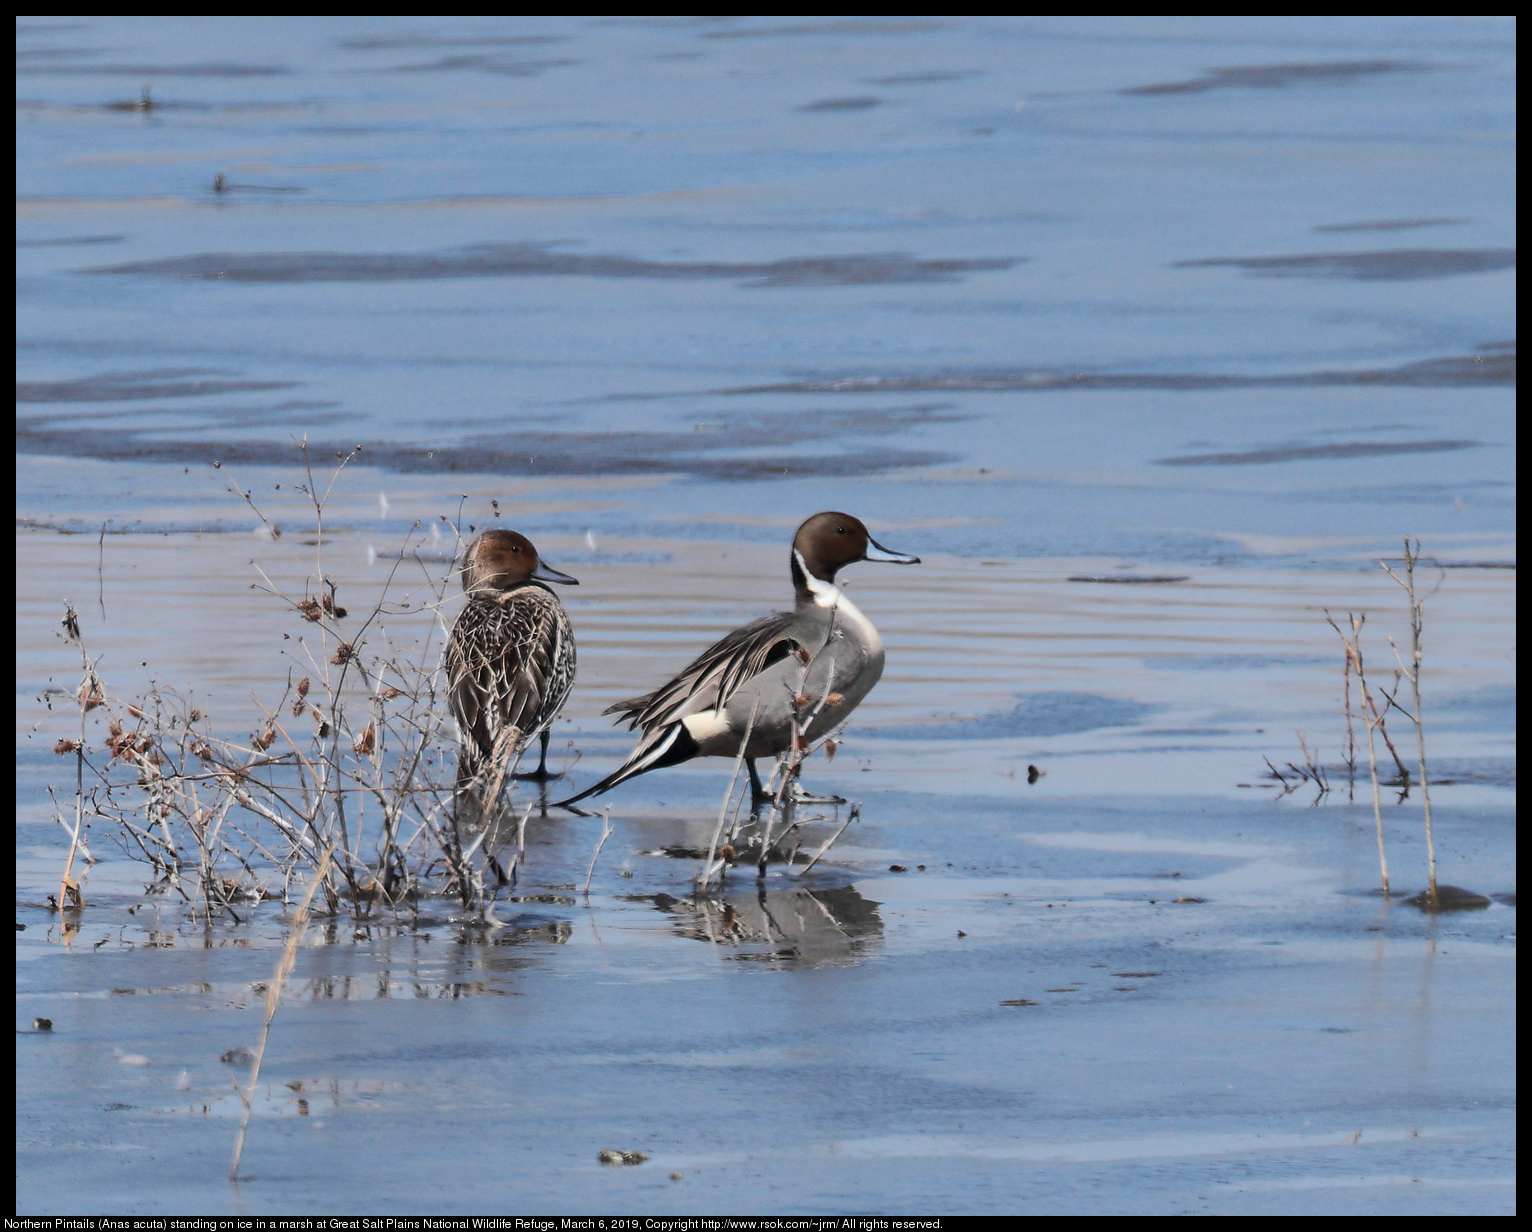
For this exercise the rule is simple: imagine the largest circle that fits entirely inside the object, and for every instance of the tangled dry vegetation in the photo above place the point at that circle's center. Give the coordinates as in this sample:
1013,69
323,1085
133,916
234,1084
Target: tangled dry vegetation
1366,707
348,769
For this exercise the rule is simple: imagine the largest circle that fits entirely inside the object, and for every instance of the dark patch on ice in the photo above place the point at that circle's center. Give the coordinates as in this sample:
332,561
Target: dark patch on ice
1277,76
1034,715
1480,771
830,27
398,42
1449,898
56,53
158,70
523,260
921,79
749,449
1494,364
1302,453
1228,662
62,241
496,65
146,104
136,386
1394,224
861,102
149,422
221,185
1385,265
1140,579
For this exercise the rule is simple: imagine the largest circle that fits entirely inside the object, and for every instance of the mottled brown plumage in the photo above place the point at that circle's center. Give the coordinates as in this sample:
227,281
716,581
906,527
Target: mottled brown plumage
510,660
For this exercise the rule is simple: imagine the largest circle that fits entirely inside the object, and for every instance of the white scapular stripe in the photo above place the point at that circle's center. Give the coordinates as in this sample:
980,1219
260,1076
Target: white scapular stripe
705,724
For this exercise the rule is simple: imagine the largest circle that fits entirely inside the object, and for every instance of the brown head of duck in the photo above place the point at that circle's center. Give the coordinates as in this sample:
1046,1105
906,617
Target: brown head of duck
501,560
828,542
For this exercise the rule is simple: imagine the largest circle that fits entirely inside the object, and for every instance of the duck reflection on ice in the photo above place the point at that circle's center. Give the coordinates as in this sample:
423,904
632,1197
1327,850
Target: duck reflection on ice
798,926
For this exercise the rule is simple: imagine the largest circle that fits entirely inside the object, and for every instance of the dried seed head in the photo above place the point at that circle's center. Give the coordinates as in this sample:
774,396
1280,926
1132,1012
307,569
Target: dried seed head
66,745
303,687
799,742
343,653
332,607
201,752
802,701
803,654
364,742
90,695
310,611
324,731
194,717
135,712
297,708
728,855
156,759
266,739
830,747
389,693
835,699
71,624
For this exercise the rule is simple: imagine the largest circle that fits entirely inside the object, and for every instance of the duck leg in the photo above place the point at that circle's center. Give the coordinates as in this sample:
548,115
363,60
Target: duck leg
540,775
758,794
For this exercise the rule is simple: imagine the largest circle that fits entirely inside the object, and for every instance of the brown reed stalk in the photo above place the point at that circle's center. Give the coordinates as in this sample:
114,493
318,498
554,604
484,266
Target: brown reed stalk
1371,720
1412,674
279,980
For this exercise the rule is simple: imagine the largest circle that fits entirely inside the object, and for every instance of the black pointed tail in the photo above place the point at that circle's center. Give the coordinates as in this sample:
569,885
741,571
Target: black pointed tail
667,746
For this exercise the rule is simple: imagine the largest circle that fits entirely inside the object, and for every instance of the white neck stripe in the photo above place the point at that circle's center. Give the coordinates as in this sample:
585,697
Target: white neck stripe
826,594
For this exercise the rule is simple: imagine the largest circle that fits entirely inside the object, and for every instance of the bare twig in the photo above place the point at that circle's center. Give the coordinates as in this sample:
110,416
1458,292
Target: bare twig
606,833
706,873
852,815
1412,674
1372,720
284,970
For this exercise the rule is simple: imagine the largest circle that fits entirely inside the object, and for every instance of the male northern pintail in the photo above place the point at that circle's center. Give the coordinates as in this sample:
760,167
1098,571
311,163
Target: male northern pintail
511,658
824,649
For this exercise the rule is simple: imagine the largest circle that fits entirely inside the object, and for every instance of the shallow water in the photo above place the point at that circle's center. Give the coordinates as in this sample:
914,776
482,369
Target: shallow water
1218,309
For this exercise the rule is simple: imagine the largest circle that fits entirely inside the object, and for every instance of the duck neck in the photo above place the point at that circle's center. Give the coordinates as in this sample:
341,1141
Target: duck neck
812,591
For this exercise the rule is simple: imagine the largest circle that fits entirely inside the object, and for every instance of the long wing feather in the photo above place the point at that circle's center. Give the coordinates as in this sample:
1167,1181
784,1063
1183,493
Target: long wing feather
713,676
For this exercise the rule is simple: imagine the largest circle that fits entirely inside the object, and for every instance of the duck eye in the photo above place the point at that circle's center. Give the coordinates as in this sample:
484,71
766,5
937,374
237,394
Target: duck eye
840,530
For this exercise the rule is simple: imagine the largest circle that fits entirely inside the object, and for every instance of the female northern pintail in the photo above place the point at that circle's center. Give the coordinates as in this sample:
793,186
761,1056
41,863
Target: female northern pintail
823,649
511,657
